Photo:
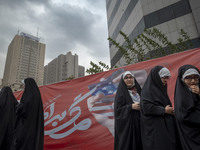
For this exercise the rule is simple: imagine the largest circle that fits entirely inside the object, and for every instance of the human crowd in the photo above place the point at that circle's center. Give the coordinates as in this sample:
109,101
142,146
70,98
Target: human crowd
22,124
145,118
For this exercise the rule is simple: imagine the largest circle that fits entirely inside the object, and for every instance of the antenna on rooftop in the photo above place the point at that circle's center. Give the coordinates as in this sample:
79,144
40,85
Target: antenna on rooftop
37,31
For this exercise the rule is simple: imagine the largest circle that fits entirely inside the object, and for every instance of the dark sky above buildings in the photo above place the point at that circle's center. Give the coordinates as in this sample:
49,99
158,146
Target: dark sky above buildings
79,26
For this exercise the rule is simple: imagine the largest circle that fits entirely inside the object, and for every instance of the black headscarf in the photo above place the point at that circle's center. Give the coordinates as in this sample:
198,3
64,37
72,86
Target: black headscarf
7,114
158,129
30,119
187,112
127,120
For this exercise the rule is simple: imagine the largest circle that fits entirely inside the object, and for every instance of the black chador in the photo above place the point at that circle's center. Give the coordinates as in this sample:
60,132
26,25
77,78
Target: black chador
187,110
30,119
158,129
7,115
127,121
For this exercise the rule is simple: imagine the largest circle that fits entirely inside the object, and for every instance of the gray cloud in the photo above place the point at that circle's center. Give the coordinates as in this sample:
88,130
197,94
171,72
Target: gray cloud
79,28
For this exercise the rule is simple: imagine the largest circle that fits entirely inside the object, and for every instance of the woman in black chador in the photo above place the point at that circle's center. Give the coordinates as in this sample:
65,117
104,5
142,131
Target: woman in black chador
7,115
187,106
158,124
127,115
30,119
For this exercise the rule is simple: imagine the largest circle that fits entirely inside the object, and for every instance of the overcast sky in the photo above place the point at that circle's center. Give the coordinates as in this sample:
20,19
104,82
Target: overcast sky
79,26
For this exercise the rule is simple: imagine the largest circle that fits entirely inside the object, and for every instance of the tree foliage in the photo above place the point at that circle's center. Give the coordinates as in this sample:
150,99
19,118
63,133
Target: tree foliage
152,43
96,68
70,78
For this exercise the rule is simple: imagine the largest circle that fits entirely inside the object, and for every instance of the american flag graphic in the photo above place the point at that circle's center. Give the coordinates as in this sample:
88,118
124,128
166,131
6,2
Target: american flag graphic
103,97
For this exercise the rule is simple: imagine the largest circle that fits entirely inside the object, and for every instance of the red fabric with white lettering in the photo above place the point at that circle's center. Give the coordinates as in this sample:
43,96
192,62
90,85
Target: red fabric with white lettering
79,113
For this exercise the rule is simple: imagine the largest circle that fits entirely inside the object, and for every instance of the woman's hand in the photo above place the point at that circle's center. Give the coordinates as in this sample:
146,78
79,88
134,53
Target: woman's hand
136,106
169,110
195,89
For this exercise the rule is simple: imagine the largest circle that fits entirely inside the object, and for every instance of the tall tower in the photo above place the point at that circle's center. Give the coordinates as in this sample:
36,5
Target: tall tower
25,58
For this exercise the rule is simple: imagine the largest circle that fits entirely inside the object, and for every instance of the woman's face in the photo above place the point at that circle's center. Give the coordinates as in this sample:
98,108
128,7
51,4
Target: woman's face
129,80
164,80
191,80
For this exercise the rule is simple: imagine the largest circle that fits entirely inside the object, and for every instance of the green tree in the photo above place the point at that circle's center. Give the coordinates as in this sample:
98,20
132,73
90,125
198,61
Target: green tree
96,68
152,43
70,78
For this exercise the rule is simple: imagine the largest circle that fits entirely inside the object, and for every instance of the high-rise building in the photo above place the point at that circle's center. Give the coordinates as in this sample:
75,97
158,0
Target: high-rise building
25,58
81,71
62,68
169,16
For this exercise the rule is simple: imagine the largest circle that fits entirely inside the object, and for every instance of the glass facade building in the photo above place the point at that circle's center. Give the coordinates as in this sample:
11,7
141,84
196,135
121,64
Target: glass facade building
169,16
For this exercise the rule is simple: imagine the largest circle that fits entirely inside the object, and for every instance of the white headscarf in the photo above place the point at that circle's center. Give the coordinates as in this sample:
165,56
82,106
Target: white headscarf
135,97
189,72
23,82
127,72
164,72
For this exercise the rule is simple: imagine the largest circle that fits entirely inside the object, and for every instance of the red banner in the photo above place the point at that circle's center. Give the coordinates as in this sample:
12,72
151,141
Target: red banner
78,113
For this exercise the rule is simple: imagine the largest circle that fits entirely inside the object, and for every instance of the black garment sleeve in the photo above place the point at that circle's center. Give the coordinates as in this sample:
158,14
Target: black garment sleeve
122,111
152,109
192,116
